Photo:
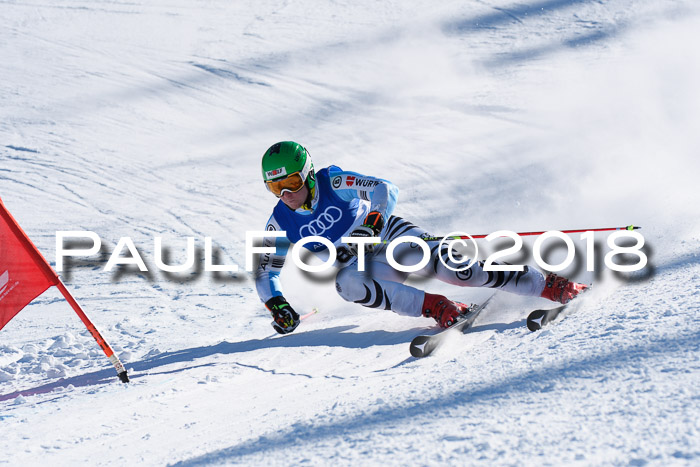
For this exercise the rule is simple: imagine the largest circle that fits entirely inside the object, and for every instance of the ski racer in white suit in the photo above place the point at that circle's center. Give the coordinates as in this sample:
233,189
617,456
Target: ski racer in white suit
333,203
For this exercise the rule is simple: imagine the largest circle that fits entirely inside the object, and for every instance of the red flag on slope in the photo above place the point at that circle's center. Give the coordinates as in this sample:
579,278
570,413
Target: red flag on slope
25,274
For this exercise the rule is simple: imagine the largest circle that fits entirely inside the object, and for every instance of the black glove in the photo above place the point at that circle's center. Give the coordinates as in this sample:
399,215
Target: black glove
371,227
285,318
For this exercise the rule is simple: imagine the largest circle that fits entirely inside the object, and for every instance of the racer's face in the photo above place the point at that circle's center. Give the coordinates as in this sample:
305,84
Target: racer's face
295,200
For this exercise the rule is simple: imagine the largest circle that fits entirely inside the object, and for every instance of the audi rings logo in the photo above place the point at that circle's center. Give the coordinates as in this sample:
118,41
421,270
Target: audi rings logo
322,223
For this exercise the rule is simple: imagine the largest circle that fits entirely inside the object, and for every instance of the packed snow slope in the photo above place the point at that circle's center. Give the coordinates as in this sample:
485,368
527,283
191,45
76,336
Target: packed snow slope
148,119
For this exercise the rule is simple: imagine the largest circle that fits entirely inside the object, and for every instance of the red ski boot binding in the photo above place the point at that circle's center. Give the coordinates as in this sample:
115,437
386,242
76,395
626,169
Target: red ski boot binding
560,289
442,309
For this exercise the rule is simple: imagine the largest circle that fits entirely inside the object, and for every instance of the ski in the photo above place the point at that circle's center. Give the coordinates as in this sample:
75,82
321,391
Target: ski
422,346
538,318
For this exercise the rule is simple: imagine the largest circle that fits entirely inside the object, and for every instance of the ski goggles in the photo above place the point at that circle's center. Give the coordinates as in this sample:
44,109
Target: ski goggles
292,183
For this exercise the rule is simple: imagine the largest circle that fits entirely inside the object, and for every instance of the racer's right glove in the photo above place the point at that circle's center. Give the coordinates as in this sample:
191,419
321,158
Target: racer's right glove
371,227
285,318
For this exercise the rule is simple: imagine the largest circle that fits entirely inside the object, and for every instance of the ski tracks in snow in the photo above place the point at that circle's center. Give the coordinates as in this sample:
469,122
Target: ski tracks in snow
149,120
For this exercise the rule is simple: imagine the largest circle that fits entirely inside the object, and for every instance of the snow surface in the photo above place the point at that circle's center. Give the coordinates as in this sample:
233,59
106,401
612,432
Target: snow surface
147,119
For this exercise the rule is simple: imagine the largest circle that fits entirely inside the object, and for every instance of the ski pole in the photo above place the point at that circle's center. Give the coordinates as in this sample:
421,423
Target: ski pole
465,237
310,313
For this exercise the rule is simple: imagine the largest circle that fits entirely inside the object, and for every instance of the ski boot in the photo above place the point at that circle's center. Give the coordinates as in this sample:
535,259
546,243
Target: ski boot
560,289
442,309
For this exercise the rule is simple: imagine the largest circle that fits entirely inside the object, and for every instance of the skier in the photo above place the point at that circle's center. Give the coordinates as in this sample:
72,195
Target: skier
334,203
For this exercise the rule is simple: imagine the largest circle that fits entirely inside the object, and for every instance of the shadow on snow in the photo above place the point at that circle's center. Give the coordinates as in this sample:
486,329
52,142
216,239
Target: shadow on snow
331,337
536,381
